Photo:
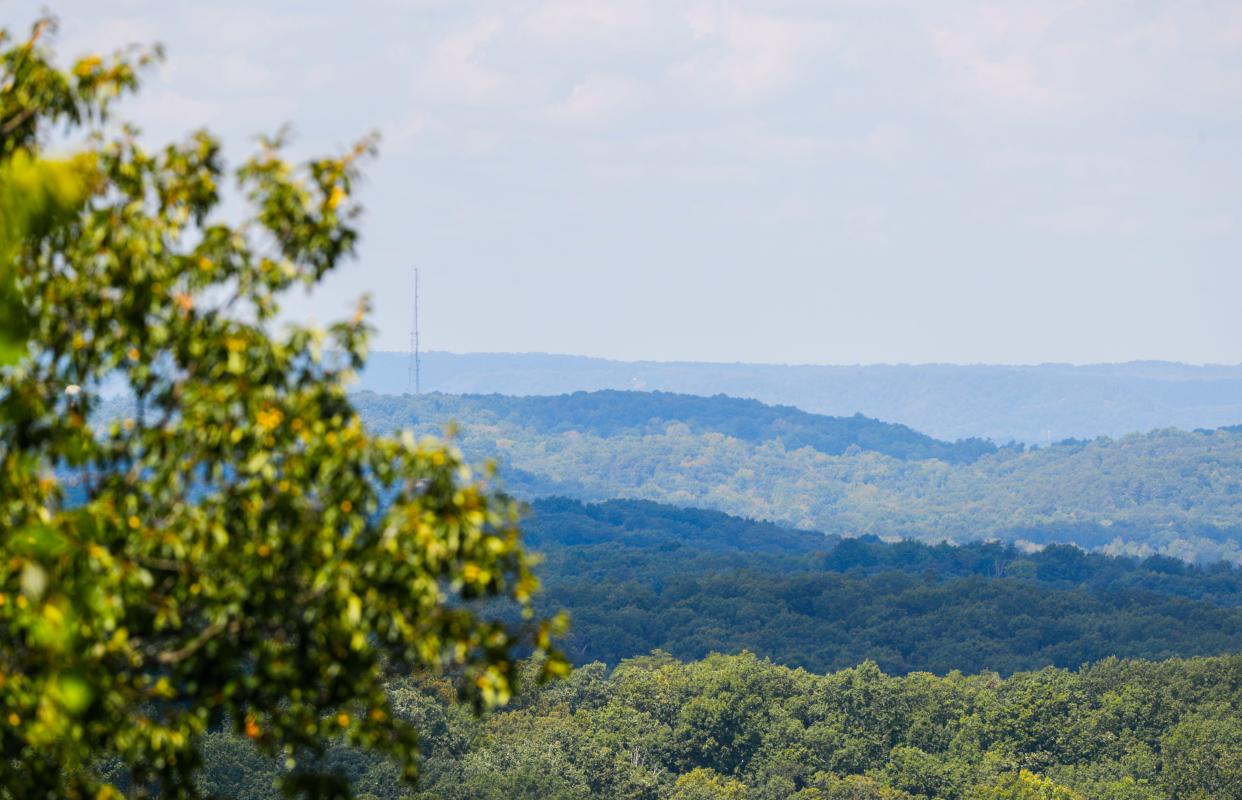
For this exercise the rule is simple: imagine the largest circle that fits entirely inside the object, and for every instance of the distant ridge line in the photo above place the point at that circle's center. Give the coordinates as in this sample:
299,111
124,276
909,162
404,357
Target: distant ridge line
1034,404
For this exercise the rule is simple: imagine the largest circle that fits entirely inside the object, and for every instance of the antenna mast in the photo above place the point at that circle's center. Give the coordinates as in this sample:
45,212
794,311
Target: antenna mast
415,365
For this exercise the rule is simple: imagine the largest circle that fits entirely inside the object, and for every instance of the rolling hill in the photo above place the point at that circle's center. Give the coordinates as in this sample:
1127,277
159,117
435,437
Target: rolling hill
1167,491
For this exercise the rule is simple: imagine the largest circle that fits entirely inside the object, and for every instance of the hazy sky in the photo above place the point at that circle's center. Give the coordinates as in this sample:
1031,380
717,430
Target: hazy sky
829,182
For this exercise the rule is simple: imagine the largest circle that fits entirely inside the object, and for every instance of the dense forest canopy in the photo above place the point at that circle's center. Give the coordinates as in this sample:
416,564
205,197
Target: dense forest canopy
636,576
740,727
1036,404
1173,492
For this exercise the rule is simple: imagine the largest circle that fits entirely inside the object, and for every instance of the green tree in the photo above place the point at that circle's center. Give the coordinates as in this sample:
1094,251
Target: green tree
1024,785
1202,758
38,194
919,773
851,787
701,783
238,552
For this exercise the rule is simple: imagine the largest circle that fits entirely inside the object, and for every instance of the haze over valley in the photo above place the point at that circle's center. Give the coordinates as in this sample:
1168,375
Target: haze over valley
1031,404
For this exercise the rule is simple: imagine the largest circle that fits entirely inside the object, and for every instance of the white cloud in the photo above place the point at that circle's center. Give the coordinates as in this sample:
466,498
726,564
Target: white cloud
593,23
1005,57
597,98
1081,218
885,142
1061,58
456,71
168,107
765,146
1231,31
242,25
238,71
167,114
740,56
400,137
106,35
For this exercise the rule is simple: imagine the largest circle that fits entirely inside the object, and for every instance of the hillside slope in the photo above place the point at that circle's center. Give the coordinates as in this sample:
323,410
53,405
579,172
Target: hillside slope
1168,491
610,414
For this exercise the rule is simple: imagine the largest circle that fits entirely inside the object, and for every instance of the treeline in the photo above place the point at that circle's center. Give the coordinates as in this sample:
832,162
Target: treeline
743,728
1177,493
1035,403
615,413
637,576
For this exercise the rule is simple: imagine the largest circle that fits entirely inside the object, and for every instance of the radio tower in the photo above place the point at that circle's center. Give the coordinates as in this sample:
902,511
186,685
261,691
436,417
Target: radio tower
415,366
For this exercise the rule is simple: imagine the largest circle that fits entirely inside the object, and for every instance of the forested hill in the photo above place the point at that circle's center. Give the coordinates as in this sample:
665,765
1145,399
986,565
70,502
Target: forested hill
641,524
637,576
1173,492
617,413
1036,404
561,522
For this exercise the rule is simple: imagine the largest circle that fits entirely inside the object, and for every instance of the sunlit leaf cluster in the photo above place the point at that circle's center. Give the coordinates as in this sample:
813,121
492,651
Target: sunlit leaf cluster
238,552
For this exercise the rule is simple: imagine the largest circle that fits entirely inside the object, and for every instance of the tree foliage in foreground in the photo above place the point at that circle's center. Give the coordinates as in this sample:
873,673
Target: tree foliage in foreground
37,194
238,552
740,727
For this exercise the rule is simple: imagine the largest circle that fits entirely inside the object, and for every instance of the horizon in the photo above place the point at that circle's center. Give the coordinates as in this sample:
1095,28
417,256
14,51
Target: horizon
675,361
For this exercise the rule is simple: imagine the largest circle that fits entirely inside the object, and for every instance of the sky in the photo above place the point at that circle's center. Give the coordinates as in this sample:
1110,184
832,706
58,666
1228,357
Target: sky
784,181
